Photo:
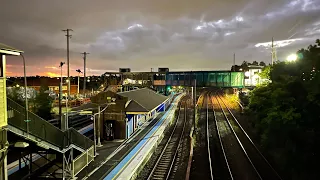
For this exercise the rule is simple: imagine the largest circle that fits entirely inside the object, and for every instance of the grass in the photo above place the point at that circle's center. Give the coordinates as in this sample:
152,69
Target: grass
233,99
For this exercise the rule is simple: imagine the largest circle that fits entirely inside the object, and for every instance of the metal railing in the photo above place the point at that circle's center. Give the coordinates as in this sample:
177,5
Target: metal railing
43,129
82,161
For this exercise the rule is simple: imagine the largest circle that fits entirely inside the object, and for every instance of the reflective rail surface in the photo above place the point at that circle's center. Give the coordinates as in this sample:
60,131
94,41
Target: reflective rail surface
164,164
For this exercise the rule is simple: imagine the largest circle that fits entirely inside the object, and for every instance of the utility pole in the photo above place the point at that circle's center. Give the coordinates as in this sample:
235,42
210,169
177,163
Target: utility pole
234,61
84,72
68,61
273,53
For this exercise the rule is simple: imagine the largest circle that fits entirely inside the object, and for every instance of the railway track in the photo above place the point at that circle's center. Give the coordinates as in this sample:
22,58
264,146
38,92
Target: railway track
259,165
165,162
219,166
236,157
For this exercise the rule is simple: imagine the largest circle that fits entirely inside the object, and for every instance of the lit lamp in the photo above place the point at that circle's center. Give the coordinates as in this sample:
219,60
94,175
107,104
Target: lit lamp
79,71
292,58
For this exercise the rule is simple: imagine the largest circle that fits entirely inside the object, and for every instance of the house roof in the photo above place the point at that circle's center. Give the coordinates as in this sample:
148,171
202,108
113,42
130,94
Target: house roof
143,100
5,49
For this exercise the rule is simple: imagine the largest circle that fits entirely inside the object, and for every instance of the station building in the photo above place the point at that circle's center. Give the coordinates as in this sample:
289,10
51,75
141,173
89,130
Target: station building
142,105
122,113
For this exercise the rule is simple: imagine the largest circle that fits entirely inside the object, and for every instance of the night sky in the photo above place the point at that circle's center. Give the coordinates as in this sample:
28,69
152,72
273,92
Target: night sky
144,34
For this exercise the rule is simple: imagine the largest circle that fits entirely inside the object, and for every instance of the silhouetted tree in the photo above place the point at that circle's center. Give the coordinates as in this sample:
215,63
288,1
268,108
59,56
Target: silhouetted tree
255,63
262,63
287,114
43,103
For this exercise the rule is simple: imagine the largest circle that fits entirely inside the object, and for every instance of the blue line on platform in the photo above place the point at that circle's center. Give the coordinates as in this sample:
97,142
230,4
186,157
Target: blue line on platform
125,160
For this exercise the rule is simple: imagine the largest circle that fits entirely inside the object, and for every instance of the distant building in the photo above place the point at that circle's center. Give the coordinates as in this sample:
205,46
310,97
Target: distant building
252,77
52,83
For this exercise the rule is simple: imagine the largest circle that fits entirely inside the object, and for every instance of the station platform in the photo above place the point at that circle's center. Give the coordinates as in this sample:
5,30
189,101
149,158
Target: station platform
109,158
132,162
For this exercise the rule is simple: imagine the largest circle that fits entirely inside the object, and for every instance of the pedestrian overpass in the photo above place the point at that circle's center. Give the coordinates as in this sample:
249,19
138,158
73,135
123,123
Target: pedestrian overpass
63,153
162,80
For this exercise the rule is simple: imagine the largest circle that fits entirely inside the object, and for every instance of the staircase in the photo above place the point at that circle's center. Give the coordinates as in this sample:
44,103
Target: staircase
43,132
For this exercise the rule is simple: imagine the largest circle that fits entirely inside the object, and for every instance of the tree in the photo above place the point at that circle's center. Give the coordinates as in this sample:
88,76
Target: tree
265,73
262,63
14,94
255,63
287,114
43,103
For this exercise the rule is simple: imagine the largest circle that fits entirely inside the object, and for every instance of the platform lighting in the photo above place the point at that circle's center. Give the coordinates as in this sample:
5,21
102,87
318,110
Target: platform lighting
292,58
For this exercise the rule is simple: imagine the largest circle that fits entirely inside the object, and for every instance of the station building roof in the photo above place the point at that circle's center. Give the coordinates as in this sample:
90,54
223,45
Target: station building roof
5,49
143,100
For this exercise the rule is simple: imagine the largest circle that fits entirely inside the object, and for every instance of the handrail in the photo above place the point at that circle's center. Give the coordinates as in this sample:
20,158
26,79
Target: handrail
51,133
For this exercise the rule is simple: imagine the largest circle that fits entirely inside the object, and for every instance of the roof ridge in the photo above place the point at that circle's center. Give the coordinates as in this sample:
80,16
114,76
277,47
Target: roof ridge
140,105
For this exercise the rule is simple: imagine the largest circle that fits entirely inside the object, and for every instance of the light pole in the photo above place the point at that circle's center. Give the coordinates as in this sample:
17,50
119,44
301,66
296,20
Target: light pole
99,115
79,71
93,117
60,93
25,94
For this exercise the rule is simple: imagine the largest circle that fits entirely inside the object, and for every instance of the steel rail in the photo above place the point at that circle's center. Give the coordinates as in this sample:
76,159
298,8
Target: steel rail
238,140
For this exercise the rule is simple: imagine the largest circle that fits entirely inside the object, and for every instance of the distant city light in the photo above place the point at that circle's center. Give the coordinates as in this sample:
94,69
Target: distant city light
292,58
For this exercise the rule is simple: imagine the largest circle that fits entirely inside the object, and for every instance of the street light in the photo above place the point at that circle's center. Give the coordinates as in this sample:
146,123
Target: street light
25,94
79,71
292,58
60,94
95,133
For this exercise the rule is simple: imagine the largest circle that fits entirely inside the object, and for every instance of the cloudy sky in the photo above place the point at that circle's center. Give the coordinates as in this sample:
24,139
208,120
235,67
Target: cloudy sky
145,34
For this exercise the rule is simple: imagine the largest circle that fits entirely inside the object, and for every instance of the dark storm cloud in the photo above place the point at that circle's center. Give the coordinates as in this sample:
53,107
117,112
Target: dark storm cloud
143,34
